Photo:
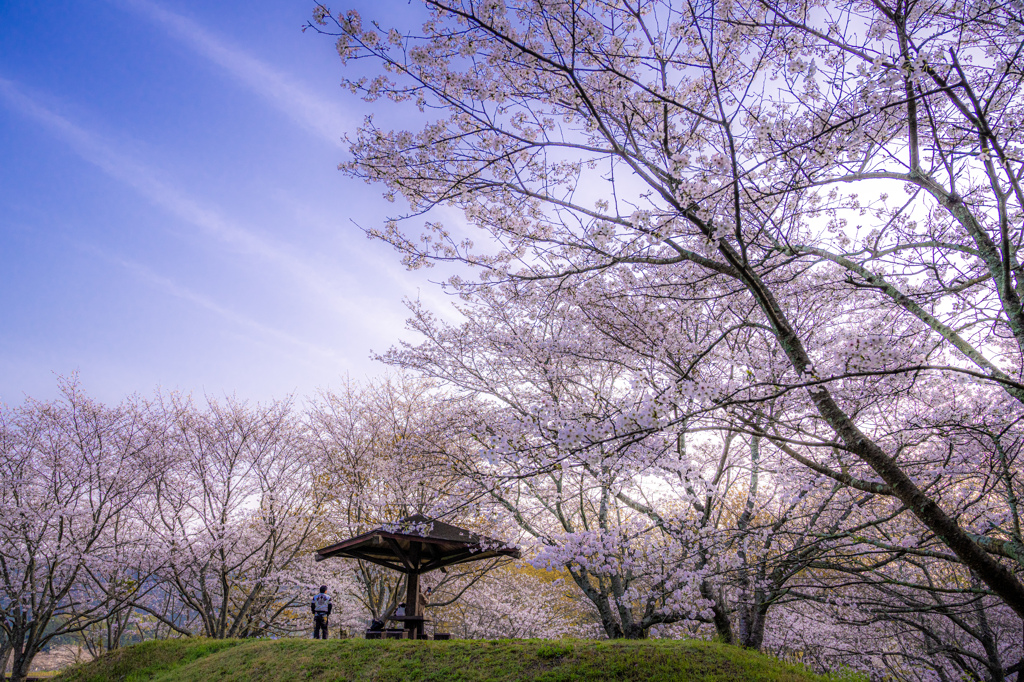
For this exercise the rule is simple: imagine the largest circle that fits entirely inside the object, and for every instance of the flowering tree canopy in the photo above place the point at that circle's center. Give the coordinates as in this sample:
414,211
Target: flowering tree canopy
747,154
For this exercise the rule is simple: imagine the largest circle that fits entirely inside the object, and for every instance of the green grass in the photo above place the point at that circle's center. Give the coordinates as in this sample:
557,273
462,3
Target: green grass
200,660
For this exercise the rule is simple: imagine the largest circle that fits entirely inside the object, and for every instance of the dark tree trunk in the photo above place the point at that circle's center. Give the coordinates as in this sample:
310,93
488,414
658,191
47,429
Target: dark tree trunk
22,660
753,635
720,612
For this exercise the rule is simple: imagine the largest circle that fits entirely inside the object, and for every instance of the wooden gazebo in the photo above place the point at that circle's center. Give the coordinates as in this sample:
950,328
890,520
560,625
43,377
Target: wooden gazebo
416,545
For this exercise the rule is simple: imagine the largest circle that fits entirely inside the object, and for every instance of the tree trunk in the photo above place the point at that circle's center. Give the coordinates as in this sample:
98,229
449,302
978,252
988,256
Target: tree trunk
756,616
599,599
720,611
634,631
22,661
5,653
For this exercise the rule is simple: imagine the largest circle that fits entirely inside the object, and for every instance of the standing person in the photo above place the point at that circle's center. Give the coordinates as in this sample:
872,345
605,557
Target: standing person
321,607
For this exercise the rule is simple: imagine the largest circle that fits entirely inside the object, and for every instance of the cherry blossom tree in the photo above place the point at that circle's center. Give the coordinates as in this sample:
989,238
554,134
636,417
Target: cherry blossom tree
603,479
232,514
715,143
72,467
127,574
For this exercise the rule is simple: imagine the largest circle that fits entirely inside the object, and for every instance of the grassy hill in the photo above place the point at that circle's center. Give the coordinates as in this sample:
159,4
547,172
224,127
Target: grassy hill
200,660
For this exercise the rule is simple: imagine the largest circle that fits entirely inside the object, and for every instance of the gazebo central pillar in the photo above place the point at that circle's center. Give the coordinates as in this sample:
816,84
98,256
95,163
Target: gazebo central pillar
412,584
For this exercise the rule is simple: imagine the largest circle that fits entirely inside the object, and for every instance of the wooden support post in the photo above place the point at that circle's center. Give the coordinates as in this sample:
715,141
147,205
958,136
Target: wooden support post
412,590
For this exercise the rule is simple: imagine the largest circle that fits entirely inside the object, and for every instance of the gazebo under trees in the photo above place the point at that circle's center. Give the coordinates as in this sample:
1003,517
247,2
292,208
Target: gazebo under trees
416,545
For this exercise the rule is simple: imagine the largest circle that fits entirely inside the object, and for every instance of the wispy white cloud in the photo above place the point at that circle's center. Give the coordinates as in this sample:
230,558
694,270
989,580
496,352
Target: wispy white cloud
147,182
141,178
310,353
334,290
304,106
315,113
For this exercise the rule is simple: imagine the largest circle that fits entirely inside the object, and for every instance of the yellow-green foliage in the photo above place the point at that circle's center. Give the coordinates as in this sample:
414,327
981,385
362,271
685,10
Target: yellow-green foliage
199,660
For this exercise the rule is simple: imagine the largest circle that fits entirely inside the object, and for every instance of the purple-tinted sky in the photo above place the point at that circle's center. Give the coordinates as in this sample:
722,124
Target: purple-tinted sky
171,214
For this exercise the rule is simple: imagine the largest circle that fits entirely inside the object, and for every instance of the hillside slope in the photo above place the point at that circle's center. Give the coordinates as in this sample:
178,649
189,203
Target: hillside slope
199,660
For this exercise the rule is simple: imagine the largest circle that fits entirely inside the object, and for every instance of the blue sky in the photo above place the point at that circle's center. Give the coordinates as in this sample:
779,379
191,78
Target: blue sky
171,213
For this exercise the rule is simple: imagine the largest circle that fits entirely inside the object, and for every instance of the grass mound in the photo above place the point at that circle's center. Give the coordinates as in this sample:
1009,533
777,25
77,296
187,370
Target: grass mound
199,660
147,661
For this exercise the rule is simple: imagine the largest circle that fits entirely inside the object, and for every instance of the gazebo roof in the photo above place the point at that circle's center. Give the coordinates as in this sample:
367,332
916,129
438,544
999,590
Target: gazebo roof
417,544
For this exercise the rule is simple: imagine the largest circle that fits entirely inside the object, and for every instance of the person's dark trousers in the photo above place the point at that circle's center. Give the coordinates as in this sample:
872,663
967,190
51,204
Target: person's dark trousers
320,627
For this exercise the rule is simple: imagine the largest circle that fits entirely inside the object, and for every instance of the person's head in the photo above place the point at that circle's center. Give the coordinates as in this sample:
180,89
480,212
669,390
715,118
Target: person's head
323,588
402,605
